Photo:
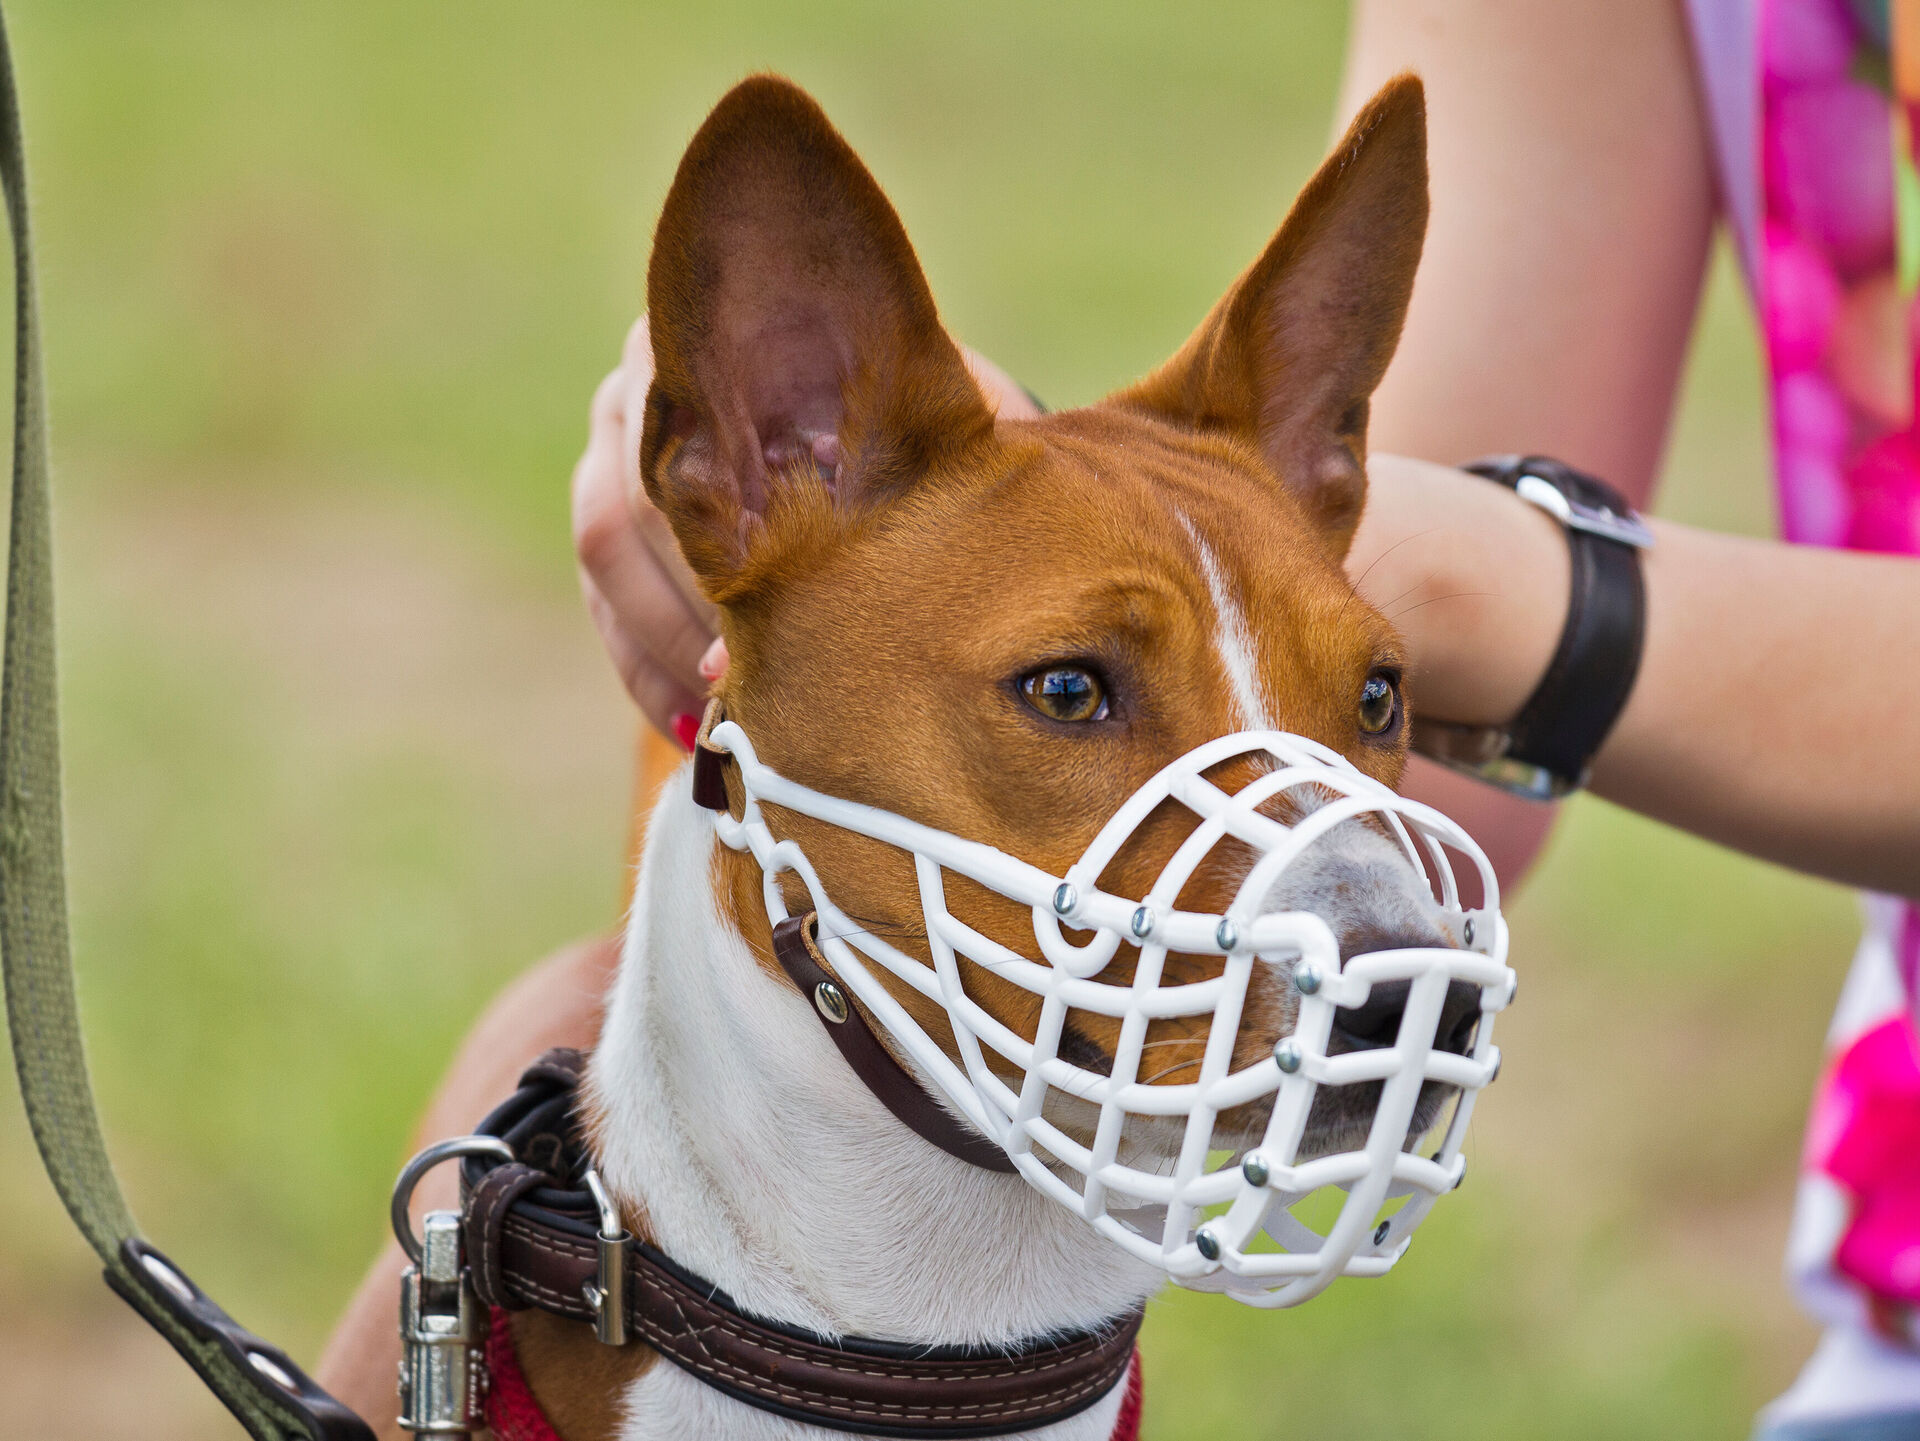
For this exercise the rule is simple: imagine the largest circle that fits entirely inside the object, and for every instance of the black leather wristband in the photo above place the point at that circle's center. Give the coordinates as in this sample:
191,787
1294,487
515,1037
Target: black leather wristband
1548,748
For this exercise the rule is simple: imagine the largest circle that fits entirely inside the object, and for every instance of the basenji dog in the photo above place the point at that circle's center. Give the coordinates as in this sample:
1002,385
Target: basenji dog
1002,628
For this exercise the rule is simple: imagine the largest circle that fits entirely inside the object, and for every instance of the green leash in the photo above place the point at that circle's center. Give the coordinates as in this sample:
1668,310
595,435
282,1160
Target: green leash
270,1395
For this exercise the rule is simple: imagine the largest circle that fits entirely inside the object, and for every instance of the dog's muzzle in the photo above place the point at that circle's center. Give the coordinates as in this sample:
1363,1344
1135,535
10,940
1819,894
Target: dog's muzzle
1358,1111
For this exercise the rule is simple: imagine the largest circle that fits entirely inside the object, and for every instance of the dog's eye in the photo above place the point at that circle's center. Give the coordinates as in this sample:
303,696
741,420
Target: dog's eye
1379,704
1065,693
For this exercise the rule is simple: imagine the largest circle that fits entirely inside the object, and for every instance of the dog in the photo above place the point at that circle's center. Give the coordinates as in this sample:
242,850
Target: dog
1001,628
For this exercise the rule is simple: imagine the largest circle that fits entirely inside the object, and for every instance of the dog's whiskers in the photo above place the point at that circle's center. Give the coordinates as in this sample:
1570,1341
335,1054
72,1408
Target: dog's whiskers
1452,595
1161,1075
1404,540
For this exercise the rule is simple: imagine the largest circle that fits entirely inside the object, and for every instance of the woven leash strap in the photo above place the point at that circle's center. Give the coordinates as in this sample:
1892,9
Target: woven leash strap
42,1016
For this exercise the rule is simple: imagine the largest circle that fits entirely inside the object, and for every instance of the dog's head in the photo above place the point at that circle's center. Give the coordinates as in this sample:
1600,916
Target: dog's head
1002,628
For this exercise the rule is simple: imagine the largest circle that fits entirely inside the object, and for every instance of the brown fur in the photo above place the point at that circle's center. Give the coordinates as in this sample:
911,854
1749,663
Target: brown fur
580,1384
882,590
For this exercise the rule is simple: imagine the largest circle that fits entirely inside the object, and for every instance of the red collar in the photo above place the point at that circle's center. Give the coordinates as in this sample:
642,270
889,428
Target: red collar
515,1415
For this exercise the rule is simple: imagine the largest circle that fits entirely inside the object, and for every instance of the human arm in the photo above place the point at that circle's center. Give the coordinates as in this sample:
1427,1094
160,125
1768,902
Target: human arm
1777,708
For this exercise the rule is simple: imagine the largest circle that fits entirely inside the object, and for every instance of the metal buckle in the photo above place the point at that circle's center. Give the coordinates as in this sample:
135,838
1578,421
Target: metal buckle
1520,778
1595,519
607,1294
443,1373
1481,752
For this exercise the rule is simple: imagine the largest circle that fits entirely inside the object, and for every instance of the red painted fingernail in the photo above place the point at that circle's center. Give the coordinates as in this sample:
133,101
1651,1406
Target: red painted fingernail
686,728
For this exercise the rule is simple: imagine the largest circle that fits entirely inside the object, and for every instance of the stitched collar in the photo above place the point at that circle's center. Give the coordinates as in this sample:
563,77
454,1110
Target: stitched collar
515,1413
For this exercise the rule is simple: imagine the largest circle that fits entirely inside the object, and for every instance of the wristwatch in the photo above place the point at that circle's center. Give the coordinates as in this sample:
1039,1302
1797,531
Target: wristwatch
1547,749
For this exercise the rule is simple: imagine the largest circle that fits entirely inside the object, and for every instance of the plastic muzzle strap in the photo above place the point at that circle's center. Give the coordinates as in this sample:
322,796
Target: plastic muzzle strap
1339,1163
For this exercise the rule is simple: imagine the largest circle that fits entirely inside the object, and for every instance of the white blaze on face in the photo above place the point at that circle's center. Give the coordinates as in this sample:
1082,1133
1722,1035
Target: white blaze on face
1233,640
1353,877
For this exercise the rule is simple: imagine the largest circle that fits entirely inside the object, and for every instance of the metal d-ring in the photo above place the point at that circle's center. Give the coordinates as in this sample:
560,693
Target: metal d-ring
411,1173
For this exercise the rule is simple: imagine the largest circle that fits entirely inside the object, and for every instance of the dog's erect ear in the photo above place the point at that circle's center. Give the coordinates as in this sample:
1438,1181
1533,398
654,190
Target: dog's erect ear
795,343
1291,354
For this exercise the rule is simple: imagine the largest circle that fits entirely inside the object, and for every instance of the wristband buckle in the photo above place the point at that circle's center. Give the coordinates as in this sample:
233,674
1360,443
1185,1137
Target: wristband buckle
1481,752
1593,517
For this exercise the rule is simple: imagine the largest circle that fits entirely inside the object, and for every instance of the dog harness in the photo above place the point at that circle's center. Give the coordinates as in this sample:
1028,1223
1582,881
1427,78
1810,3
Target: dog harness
536,1234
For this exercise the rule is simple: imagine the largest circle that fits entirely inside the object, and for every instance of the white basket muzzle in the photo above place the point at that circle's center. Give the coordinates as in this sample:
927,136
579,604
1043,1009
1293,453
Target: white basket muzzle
1270,1211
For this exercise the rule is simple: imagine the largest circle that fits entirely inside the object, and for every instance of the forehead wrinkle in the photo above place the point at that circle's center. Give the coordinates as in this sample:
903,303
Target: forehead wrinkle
1112,614
1088,559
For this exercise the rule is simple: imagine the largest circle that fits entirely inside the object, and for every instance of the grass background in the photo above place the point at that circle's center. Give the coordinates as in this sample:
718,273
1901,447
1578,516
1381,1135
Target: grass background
326,290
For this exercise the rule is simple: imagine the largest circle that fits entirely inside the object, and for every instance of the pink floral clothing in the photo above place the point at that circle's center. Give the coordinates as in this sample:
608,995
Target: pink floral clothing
1814,106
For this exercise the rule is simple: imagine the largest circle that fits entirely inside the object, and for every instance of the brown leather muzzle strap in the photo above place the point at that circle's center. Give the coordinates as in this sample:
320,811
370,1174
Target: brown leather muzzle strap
710,763
541,1250
891,1083
795,947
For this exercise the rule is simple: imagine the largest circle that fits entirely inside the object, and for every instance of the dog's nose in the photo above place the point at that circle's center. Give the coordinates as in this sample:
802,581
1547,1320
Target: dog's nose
1376,1024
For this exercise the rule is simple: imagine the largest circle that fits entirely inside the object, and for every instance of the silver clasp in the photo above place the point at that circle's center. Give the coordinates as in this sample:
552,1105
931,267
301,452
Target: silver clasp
1600,520
606,1295
443,1374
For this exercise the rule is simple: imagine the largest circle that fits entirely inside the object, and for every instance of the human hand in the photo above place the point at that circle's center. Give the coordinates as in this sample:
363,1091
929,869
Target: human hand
659,630
644,601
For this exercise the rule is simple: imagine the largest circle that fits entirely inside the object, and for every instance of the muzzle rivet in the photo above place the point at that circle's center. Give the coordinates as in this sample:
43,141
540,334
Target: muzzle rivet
1065,898
830,1001
1254,1165
1306,978
1226,935
1461,1178
1466,931
1494,1074
1142,923
1380,1232
1288,1056
1207,1243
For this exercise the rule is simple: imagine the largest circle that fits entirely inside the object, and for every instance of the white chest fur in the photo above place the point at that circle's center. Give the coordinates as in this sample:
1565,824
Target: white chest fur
764,1164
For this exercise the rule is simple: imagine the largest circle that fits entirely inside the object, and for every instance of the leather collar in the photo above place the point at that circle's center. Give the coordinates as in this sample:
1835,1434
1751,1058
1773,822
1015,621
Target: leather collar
531,1240
515,1413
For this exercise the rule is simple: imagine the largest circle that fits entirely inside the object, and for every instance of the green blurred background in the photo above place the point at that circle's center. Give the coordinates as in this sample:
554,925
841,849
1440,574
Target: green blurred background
327,288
